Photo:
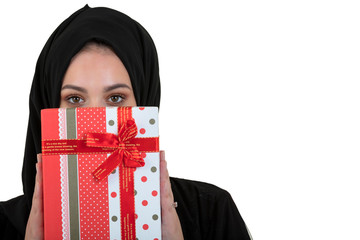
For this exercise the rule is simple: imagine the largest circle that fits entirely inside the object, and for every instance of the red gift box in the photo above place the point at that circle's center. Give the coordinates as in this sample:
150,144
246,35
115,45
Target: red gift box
101,173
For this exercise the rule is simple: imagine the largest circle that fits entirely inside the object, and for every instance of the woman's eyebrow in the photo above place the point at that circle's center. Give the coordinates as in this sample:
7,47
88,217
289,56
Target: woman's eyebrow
69,86
118,85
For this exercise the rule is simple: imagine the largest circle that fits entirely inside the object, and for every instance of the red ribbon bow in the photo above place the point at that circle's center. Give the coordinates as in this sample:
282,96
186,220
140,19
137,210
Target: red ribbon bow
125,151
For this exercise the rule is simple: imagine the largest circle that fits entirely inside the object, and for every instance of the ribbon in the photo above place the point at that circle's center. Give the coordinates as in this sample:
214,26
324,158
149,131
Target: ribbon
124,151
123,147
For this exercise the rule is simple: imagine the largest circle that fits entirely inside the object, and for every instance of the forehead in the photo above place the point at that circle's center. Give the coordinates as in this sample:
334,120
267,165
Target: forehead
95,66
97,47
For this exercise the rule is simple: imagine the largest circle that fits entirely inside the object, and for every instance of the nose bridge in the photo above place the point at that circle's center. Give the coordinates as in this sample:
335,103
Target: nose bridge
96,101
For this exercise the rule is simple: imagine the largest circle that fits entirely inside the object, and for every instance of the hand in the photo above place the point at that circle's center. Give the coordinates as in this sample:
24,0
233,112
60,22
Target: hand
35,227
171,228
170,223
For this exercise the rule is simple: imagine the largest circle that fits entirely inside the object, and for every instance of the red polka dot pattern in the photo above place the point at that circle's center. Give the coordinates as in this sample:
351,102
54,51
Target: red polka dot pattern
148,192
142,131
144,179
145,227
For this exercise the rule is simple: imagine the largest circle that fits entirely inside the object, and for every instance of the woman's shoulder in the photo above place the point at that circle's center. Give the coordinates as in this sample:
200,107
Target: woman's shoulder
12,228
198,189
207,211
200,197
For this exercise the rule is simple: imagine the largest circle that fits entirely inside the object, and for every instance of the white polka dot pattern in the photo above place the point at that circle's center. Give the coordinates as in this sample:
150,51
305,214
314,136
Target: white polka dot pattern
93,195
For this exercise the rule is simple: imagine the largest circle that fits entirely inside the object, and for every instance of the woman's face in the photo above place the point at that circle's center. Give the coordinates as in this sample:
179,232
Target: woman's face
96,78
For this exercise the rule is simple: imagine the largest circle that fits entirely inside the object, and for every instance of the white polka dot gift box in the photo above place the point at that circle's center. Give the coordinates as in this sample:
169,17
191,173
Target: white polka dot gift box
101,175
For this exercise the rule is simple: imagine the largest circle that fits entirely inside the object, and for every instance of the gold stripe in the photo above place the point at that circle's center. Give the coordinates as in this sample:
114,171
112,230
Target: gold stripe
73,178
71,123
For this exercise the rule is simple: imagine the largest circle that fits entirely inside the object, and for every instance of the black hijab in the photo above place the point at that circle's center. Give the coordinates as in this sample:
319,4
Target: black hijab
130,42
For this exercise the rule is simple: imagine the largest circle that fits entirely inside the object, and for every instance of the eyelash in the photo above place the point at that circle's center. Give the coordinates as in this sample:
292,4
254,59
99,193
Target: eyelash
70,99
122,98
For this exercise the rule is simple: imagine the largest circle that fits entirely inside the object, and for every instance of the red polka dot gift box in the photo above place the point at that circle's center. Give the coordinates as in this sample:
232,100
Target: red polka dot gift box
101,175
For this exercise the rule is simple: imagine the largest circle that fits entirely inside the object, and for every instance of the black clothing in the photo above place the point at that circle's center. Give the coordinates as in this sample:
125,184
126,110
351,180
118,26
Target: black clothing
130,42
205,211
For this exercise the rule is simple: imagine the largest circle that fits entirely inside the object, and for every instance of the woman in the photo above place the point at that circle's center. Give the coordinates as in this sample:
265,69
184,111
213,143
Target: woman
100,43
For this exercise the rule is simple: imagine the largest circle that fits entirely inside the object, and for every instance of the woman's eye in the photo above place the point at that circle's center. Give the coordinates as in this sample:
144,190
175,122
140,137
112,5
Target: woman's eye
115,99
75,99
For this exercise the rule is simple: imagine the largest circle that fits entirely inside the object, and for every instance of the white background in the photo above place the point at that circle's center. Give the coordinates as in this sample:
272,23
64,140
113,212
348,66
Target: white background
260,98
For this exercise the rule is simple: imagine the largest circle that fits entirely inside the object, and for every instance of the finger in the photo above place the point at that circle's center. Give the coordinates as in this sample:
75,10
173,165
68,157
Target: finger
171,227
166,195
37,203
39,157
37,197
164,173
34,227
39,172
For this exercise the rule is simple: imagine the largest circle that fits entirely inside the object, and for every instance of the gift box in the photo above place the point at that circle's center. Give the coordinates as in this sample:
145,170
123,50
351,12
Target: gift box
101,175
